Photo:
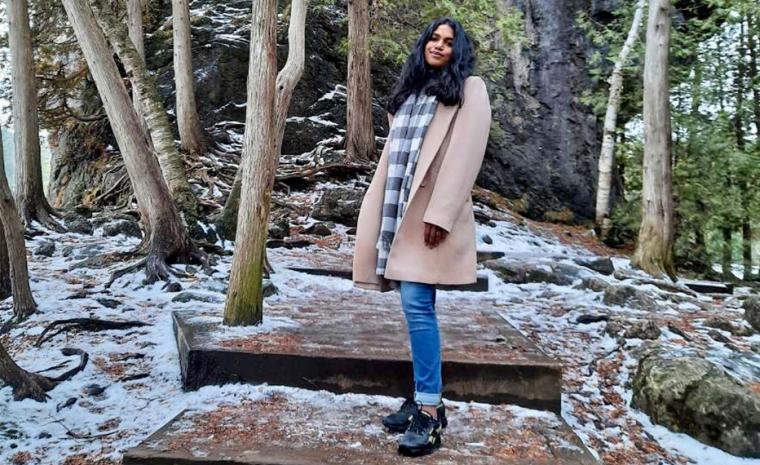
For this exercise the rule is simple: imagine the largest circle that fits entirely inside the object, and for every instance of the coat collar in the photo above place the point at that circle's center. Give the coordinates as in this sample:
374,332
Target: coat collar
436,132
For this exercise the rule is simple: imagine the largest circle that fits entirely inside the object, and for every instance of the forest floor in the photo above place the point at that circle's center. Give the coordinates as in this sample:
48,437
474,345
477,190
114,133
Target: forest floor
131,386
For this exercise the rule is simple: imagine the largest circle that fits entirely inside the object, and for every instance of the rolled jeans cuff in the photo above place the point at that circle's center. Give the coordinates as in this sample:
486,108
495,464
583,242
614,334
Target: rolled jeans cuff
425,398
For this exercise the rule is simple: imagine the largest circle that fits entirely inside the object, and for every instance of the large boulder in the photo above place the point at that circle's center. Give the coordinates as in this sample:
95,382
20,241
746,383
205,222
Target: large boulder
518,272
340,205
688,394
628,296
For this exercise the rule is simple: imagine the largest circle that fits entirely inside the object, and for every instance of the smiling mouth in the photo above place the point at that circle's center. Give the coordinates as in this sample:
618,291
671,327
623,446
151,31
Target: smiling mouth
437,55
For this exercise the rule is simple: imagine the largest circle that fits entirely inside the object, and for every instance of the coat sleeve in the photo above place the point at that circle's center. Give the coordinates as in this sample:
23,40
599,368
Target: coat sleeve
463,157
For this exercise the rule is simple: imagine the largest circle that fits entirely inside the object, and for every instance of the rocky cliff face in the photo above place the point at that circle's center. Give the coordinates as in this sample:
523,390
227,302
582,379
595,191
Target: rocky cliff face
544,143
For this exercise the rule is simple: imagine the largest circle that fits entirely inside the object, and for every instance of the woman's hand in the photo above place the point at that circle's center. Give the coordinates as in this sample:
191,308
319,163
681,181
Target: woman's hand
434,235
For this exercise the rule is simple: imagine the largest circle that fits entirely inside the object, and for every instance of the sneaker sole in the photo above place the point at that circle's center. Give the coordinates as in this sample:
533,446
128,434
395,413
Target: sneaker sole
419,451
402,428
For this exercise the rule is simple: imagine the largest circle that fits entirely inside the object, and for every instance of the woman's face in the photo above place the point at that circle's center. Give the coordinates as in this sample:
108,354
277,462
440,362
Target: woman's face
438,50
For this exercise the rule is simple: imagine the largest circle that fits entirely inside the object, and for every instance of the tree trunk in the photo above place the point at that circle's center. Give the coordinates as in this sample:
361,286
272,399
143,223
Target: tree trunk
191,133
30,196
5,267
25,385
165,236
146,92
607,155
654,250
360,135
744,183
15,250
136,35
726,256
268,97
752,47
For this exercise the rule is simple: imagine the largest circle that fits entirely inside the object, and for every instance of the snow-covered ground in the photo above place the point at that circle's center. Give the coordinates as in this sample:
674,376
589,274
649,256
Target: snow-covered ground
111,412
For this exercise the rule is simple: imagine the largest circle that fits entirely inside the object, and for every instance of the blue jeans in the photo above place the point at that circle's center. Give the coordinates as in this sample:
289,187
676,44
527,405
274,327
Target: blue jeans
418,302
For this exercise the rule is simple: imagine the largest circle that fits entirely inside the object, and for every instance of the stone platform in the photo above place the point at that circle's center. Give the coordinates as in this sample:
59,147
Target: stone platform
357,342
342,430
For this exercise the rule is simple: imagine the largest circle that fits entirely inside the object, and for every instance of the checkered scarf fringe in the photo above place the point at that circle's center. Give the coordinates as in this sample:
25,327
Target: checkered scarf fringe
406,135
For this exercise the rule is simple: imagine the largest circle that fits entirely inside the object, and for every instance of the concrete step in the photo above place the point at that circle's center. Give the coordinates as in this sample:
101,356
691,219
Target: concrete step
287,429
357,342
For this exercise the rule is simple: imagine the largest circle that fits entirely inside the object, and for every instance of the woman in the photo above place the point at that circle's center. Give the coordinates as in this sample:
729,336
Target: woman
416,226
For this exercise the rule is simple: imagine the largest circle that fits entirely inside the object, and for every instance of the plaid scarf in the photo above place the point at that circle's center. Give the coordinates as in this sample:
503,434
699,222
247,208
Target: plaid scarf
406,135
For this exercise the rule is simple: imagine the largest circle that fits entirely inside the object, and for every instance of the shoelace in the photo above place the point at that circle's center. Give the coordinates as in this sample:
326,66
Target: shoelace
420,423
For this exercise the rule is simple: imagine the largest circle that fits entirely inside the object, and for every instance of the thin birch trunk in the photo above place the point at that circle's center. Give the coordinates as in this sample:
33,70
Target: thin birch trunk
137,36
165,238
15,251
268,99
30,195
360,135
191,133
146,92
654,249
607,155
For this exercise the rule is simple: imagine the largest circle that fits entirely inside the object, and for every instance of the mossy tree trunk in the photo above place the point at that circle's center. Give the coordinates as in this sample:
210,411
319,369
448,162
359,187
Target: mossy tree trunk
268,98
654,248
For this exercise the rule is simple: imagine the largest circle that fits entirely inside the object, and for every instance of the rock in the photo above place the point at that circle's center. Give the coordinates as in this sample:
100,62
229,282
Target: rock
588,319
295,244
718,336
755,346
45,249
110,303
79,225
269,288
487,239
318,229
615,327
515,272
593,283
173,287
691,395
93,389
127,227
600,265
628,296
340,205
351,231
481,216
647,329
66,250
752,312
189,296
484,255
280,229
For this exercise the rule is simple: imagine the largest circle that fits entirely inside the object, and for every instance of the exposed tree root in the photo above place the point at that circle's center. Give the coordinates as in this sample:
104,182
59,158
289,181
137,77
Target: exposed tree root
156,264
83,358
85,324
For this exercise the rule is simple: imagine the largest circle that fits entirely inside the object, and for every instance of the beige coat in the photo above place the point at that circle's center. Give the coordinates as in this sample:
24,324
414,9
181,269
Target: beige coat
448,163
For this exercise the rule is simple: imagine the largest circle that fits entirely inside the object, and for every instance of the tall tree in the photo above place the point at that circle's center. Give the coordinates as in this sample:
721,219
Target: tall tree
15,250
136,35
30,196
360,135
738,122
191,133
268,99
607,155
146,92
165,237
654,248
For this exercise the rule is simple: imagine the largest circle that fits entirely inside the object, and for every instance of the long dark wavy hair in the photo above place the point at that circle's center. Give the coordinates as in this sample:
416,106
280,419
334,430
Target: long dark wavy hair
447,83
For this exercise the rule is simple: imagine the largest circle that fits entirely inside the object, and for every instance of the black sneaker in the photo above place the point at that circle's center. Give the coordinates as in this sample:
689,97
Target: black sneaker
399,421
422,437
